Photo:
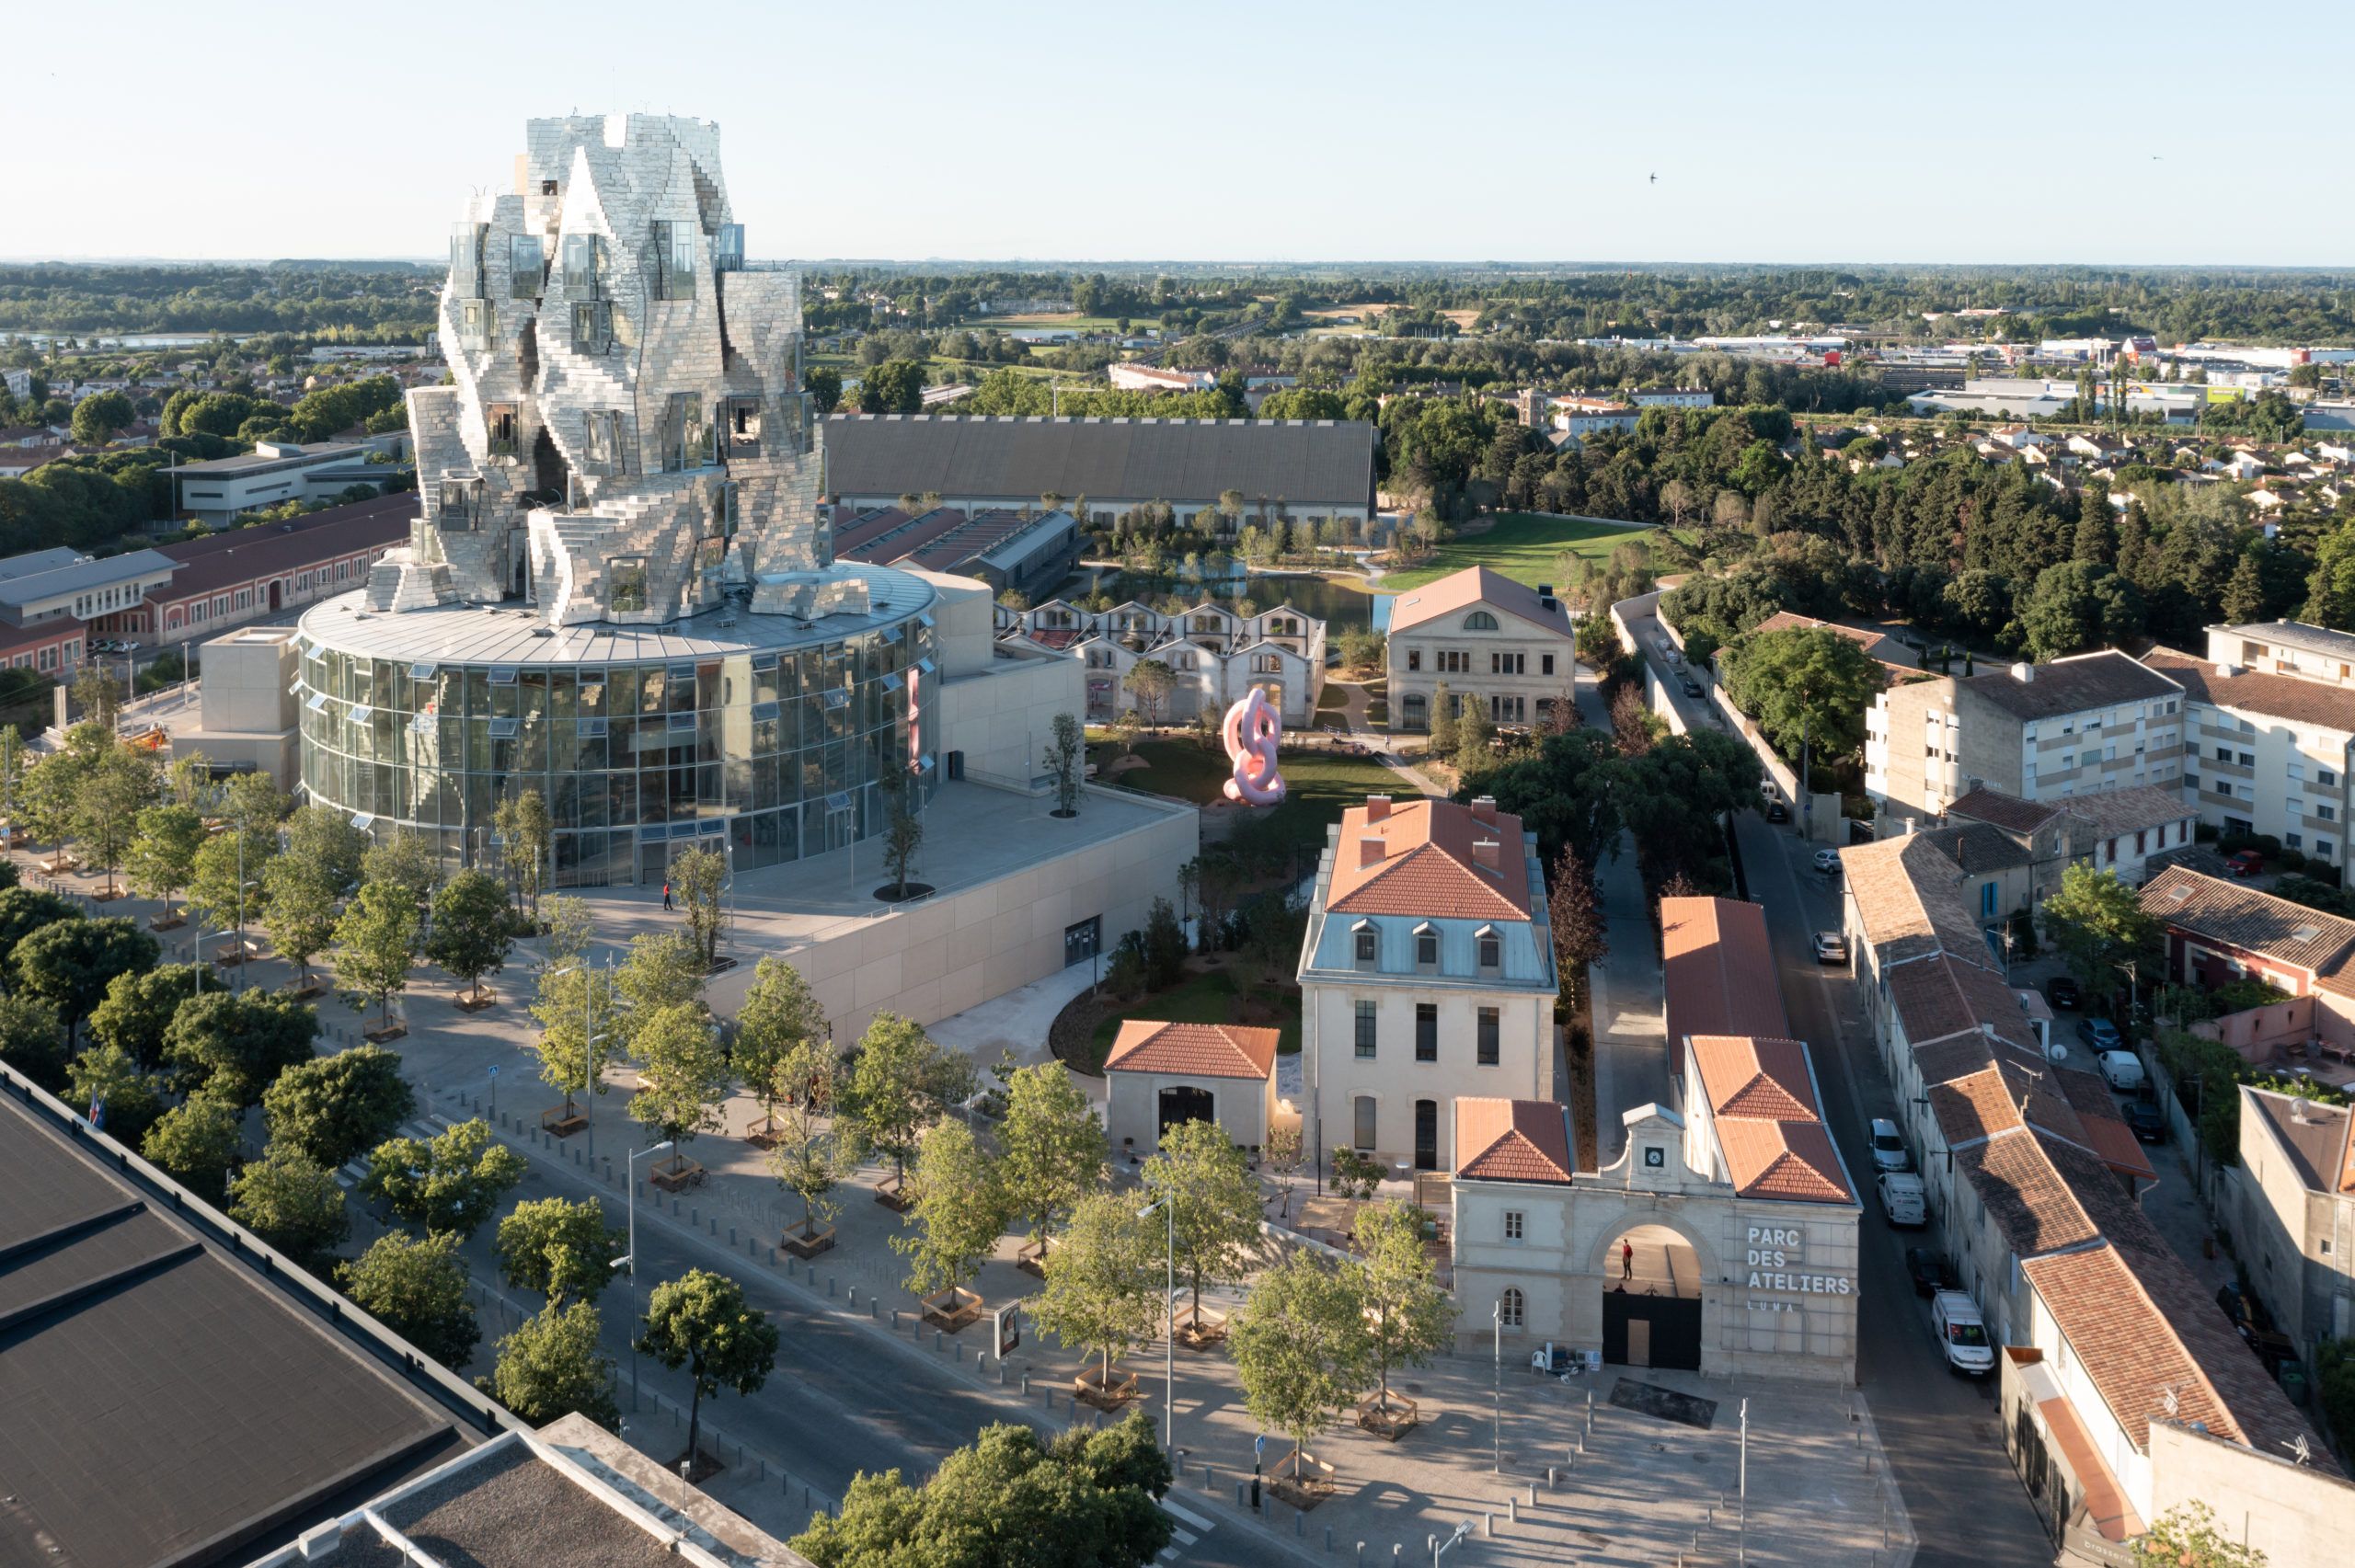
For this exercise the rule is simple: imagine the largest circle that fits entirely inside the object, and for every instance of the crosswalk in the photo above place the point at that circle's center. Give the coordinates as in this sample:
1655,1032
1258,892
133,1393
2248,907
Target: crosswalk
1185,1535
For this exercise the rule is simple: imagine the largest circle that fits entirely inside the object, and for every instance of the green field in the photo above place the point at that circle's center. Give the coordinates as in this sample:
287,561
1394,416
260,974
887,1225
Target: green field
1523,548
1319,785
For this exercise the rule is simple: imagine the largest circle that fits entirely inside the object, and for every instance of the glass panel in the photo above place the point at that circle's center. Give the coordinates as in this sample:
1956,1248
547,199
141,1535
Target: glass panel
526,266
626,586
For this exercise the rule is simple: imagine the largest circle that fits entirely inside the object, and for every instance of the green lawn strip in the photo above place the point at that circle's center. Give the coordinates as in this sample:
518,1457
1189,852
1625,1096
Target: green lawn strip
1333,696
1521,547
1319,787
1202,999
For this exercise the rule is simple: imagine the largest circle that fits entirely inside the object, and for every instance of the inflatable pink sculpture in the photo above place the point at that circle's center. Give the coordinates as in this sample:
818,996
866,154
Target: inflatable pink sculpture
1251,727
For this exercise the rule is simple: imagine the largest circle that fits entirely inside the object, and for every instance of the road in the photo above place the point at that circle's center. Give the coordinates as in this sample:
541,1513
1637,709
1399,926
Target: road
1942,1433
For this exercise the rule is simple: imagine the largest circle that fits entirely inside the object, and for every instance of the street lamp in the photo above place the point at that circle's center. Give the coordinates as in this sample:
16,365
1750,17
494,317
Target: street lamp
1169,1375
1496,1393
630,1163
589,1039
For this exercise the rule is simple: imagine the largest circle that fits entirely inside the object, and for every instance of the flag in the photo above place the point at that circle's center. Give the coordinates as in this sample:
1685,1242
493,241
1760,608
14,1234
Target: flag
99,1112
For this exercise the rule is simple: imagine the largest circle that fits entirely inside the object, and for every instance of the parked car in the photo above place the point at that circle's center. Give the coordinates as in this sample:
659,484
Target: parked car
1827,860
1962,1334
1831,947
1929,1271
2150,1124
1692,687
2122,1070
1902,1198
2061,990
2245,863
2100,1034
1888,1146
1777,812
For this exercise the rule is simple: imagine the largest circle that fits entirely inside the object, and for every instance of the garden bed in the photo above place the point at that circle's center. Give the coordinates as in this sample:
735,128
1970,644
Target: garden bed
891,1192
563,1121
389,1032
165,922
677,1178
1198,1328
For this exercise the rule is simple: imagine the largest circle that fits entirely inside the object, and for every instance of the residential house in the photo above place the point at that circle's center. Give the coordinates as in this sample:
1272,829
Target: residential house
2219,931
1426,973
1900,662
2130,825
1675,397
2295,1191
1214,652
2265,752
1485,638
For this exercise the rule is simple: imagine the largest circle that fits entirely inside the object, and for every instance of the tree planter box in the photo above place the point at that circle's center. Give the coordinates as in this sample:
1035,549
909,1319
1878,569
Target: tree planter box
165,922
470,999
304,990
890,1192
108,895
390,1032
679,1177
953,1309
1032,1257
1306,1490
1092,1388
762,1134
807,1247
562,1121
1390,1418
58,864
1198,1328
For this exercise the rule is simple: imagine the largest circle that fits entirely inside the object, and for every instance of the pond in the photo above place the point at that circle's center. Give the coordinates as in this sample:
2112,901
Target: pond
1340,603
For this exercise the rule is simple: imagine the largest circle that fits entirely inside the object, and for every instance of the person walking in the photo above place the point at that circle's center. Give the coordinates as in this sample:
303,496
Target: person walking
666,893
1626,1249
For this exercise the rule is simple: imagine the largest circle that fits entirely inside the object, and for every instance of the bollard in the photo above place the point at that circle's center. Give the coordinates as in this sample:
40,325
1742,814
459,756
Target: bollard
1512,1510
870,1307
731,1238
1360,1554
1299,1523
936,1340
675,1208
1206,1478
1025,1371
895,1320
1001,1371
829,1285
693,1218
1550,1480
852,1296
1238,1495
1488,1524
772,1257
961,1352
1533,1495
1329,1539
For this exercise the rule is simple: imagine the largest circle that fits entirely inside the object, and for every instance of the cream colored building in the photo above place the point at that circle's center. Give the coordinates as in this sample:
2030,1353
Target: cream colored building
2099,721
1489,640
2296,1189
1160,1074
2270,730
1427,973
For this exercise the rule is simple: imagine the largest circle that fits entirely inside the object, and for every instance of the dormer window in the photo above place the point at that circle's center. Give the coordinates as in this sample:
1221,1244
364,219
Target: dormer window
1491,948
1426,949
1367,940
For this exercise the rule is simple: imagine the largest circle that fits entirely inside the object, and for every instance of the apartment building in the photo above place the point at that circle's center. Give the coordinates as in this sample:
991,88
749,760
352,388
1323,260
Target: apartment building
1486,639
2268,741
2080,725
1427,973
2296,1191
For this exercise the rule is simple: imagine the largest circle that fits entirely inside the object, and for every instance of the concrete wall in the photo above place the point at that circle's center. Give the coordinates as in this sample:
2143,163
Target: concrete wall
251,714
2289,1513
1132,1121
1003,718
2257,1032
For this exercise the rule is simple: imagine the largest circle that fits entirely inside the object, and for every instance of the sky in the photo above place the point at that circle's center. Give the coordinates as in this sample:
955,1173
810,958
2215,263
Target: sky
1270,133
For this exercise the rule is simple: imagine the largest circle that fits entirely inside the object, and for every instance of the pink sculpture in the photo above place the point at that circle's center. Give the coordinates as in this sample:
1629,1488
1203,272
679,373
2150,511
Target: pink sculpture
1251,727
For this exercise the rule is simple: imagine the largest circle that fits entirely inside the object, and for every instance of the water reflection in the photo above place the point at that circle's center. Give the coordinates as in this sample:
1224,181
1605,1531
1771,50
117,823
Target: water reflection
1340,603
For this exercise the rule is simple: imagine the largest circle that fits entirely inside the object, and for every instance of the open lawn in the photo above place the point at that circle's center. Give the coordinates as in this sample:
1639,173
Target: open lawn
1521,545
1319,785
1211,998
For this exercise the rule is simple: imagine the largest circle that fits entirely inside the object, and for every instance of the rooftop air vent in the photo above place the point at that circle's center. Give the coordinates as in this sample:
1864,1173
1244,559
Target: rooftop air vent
2305,933
2024,673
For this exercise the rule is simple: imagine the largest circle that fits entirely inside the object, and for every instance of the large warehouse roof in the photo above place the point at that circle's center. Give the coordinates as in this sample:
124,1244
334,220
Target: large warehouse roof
1306,462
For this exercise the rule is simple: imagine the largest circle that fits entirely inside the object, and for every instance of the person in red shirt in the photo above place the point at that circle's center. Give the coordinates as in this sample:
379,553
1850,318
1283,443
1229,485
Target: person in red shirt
1626,1260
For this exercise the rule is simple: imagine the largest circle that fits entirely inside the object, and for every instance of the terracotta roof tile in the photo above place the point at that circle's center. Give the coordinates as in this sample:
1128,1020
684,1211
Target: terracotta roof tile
1905,898
1429,866
2242,917
2116,811
2008,812
1512,1140
2024,1196
1941,996
1793,1160
1718,971
2126,1344
1195,1051
1474,585
1877,646
1767,1120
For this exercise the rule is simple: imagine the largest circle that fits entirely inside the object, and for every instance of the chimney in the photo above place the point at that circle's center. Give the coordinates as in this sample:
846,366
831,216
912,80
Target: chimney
1484,807
1369,850
2024,673
1378,807
1913,826
1484,853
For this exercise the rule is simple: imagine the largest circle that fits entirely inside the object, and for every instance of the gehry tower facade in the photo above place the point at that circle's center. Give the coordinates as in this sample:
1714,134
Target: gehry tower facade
627,440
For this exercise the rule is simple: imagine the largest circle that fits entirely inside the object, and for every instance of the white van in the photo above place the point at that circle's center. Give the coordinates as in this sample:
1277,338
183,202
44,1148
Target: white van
1962,1334
1902,1198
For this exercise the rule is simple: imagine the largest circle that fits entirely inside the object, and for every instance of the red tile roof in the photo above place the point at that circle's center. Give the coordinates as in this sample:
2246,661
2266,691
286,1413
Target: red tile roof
1718,971
1428,867
2005,812
1512,1140
270,549
1193,1051
1763,1104
1474,585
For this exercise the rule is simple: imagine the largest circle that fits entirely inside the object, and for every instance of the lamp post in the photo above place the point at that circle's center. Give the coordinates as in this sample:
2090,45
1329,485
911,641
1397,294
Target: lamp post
631,1259
1496,1393
589,1039
1169,1342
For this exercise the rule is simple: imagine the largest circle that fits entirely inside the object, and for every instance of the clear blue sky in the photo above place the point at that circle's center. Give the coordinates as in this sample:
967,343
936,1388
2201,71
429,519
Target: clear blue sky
1274,132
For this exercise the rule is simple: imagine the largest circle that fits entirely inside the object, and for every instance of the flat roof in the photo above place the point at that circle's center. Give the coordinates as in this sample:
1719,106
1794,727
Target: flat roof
80,576
313,452
166,1404
511,633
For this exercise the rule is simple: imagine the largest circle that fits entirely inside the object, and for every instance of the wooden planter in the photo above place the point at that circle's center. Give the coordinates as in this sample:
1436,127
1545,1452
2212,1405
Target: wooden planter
165,922
473,999
807,1247
1032,1257
108,895
891,1193
677,1178
396,1030
953,1309
1312,1486
762,1134
563,1122
1390,1418
1091,1389
1198,1328
301,991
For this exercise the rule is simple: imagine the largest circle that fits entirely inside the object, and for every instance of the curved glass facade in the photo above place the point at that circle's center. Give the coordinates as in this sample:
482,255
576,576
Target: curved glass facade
773,750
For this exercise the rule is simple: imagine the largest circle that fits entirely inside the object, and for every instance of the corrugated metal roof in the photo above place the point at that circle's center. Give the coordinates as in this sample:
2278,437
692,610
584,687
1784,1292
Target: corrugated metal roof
1304,462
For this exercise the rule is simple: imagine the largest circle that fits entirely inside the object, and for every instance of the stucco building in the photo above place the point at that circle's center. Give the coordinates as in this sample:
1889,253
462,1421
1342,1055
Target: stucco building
1485,638
1159,1074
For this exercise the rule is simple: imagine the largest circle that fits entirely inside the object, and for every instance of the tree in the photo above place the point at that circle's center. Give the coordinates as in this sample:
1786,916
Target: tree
403,858
107,1080
1151,681
450,1186
1104,1293
527,834
335,1108
2186,1537
197,1141
2096,922
700,1321
235,1046
227,892
2078,605
564,1251
581,1026
1581,935
47,797
100,416
902,828
701,878
1408,1317
113,795
815,1148
1064,762
299,898
163,855
682,1086
1165,945
24,911
660,970
99,694
293,1202
1442,721
898,1084
960,1211
779,1015
71,964
418,1289
323,838
1215,1202
551,1367
1085,1499
2244,594
376,942
1807,686
470,935
1283,1155
1050,1146
1299,1343
1473,735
